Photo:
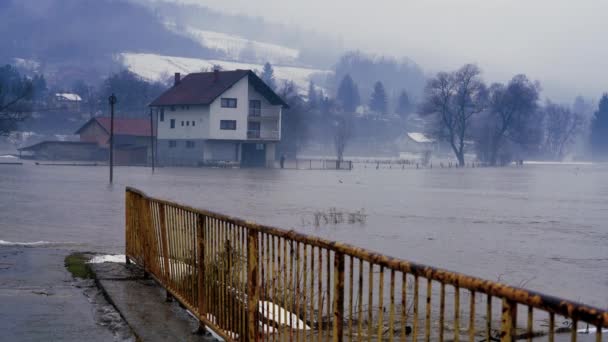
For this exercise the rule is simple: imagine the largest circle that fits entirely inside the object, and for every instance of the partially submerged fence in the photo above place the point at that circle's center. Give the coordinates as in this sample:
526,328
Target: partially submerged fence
315,164
249,282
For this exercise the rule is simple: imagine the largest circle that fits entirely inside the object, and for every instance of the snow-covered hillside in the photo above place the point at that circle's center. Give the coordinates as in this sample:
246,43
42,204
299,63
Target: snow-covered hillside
160,68
238,48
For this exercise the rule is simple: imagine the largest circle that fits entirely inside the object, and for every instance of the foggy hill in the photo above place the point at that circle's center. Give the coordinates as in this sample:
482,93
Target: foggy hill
86,33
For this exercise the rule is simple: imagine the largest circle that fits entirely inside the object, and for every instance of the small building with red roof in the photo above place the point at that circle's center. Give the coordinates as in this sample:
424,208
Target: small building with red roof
132,142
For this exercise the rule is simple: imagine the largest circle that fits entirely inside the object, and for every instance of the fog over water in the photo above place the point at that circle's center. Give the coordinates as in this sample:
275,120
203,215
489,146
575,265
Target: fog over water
542,226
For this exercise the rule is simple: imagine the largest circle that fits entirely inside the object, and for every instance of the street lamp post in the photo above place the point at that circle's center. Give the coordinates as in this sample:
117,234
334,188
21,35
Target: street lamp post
112,99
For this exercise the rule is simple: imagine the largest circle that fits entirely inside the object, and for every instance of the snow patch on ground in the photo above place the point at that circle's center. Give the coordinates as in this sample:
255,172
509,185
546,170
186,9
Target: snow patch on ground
155,67
99,259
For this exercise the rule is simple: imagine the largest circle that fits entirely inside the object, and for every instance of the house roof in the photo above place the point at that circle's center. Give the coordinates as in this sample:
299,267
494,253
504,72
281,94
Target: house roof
203,88
419,137
122,126
68,97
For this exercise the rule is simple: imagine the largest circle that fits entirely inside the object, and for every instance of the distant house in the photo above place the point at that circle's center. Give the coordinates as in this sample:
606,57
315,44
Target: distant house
416,142
216,117
63,150
131,143
68,101
131,138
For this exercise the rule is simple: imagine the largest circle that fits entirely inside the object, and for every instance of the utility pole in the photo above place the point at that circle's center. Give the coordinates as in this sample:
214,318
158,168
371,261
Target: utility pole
152,139
112,99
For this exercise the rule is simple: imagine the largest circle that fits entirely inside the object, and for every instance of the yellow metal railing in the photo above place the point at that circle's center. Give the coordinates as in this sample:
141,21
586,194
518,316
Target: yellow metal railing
250,282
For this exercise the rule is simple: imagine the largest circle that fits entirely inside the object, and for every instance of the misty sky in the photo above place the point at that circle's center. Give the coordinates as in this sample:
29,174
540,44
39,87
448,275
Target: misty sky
562,43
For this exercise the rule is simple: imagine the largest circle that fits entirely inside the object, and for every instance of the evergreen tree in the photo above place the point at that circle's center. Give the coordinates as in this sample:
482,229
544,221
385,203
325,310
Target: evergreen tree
599,130
268,76
404,106
377,102
348,95
313,100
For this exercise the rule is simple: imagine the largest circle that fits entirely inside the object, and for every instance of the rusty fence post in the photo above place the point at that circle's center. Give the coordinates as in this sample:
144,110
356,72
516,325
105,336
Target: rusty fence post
253,286
509,321
338,297
200,238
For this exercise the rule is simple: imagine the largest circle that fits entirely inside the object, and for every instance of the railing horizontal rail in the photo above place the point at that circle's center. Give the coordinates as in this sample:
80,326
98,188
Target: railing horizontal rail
224,269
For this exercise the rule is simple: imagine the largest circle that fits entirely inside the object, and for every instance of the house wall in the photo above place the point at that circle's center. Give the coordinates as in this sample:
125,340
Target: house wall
270,120
94,133
181,155
240,91
199,114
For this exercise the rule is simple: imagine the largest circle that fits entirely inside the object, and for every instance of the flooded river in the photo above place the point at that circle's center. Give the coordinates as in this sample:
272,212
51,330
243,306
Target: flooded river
541,226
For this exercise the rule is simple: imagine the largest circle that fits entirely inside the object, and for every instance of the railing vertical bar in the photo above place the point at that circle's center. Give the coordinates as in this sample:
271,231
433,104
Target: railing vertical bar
304,290
328,329
574,332
274,285
312,288
350,296
283,287
391,315
427,317
456,313
165,247
201,262
243,278
370,302
360,302
297,293
598,333
338,297
416,305
509,321
320,294
264,280
380,303
489,317
253,285
442,312
290,292
403,306
268,284
529,328
472,317
551,327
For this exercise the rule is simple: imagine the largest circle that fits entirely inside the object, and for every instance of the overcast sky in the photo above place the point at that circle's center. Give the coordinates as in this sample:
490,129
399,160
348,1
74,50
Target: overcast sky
562,43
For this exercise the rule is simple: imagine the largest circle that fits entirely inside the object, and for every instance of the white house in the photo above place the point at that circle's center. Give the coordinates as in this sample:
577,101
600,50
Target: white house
219,116
416,142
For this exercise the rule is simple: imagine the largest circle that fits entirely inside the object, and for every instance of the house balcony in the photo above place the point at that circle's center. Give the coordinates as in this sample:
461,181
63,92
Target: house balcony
255,114
263,135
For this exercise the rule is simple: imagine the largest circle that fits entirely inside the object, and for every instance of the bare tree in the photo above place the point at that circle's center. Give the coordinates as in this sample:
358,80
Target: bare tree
562,127
343,128
454,99
14,106
510,109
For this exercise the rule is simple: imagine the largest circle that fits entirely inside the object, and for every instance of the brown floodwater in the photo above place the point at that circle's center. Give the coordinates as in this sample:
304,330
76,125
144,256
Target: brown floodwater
544,227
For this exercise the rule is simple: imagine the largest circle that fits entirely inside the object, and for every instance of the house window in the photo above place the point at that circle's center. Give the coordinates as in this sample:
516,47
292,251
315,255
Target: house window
173,108
185,107
228,102
189,144
255,107
172,123
162,114
182,123
228,124
187,123
172,143
193,123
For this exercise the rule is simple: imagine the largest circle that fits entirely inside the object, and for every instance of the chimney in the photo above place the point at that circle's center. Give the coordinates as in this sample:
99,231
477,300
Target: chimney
178,78
216,74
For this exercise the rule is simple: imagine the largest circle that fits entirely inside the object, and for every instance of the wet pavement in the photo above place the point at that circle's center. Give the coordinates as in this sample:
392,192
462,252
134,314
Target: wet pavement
42,302
142,304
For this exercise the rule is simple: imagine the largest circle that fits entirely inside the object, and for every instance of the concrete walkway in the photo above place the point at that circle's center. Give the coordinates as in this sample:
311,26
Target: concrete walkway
40,301
141,302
